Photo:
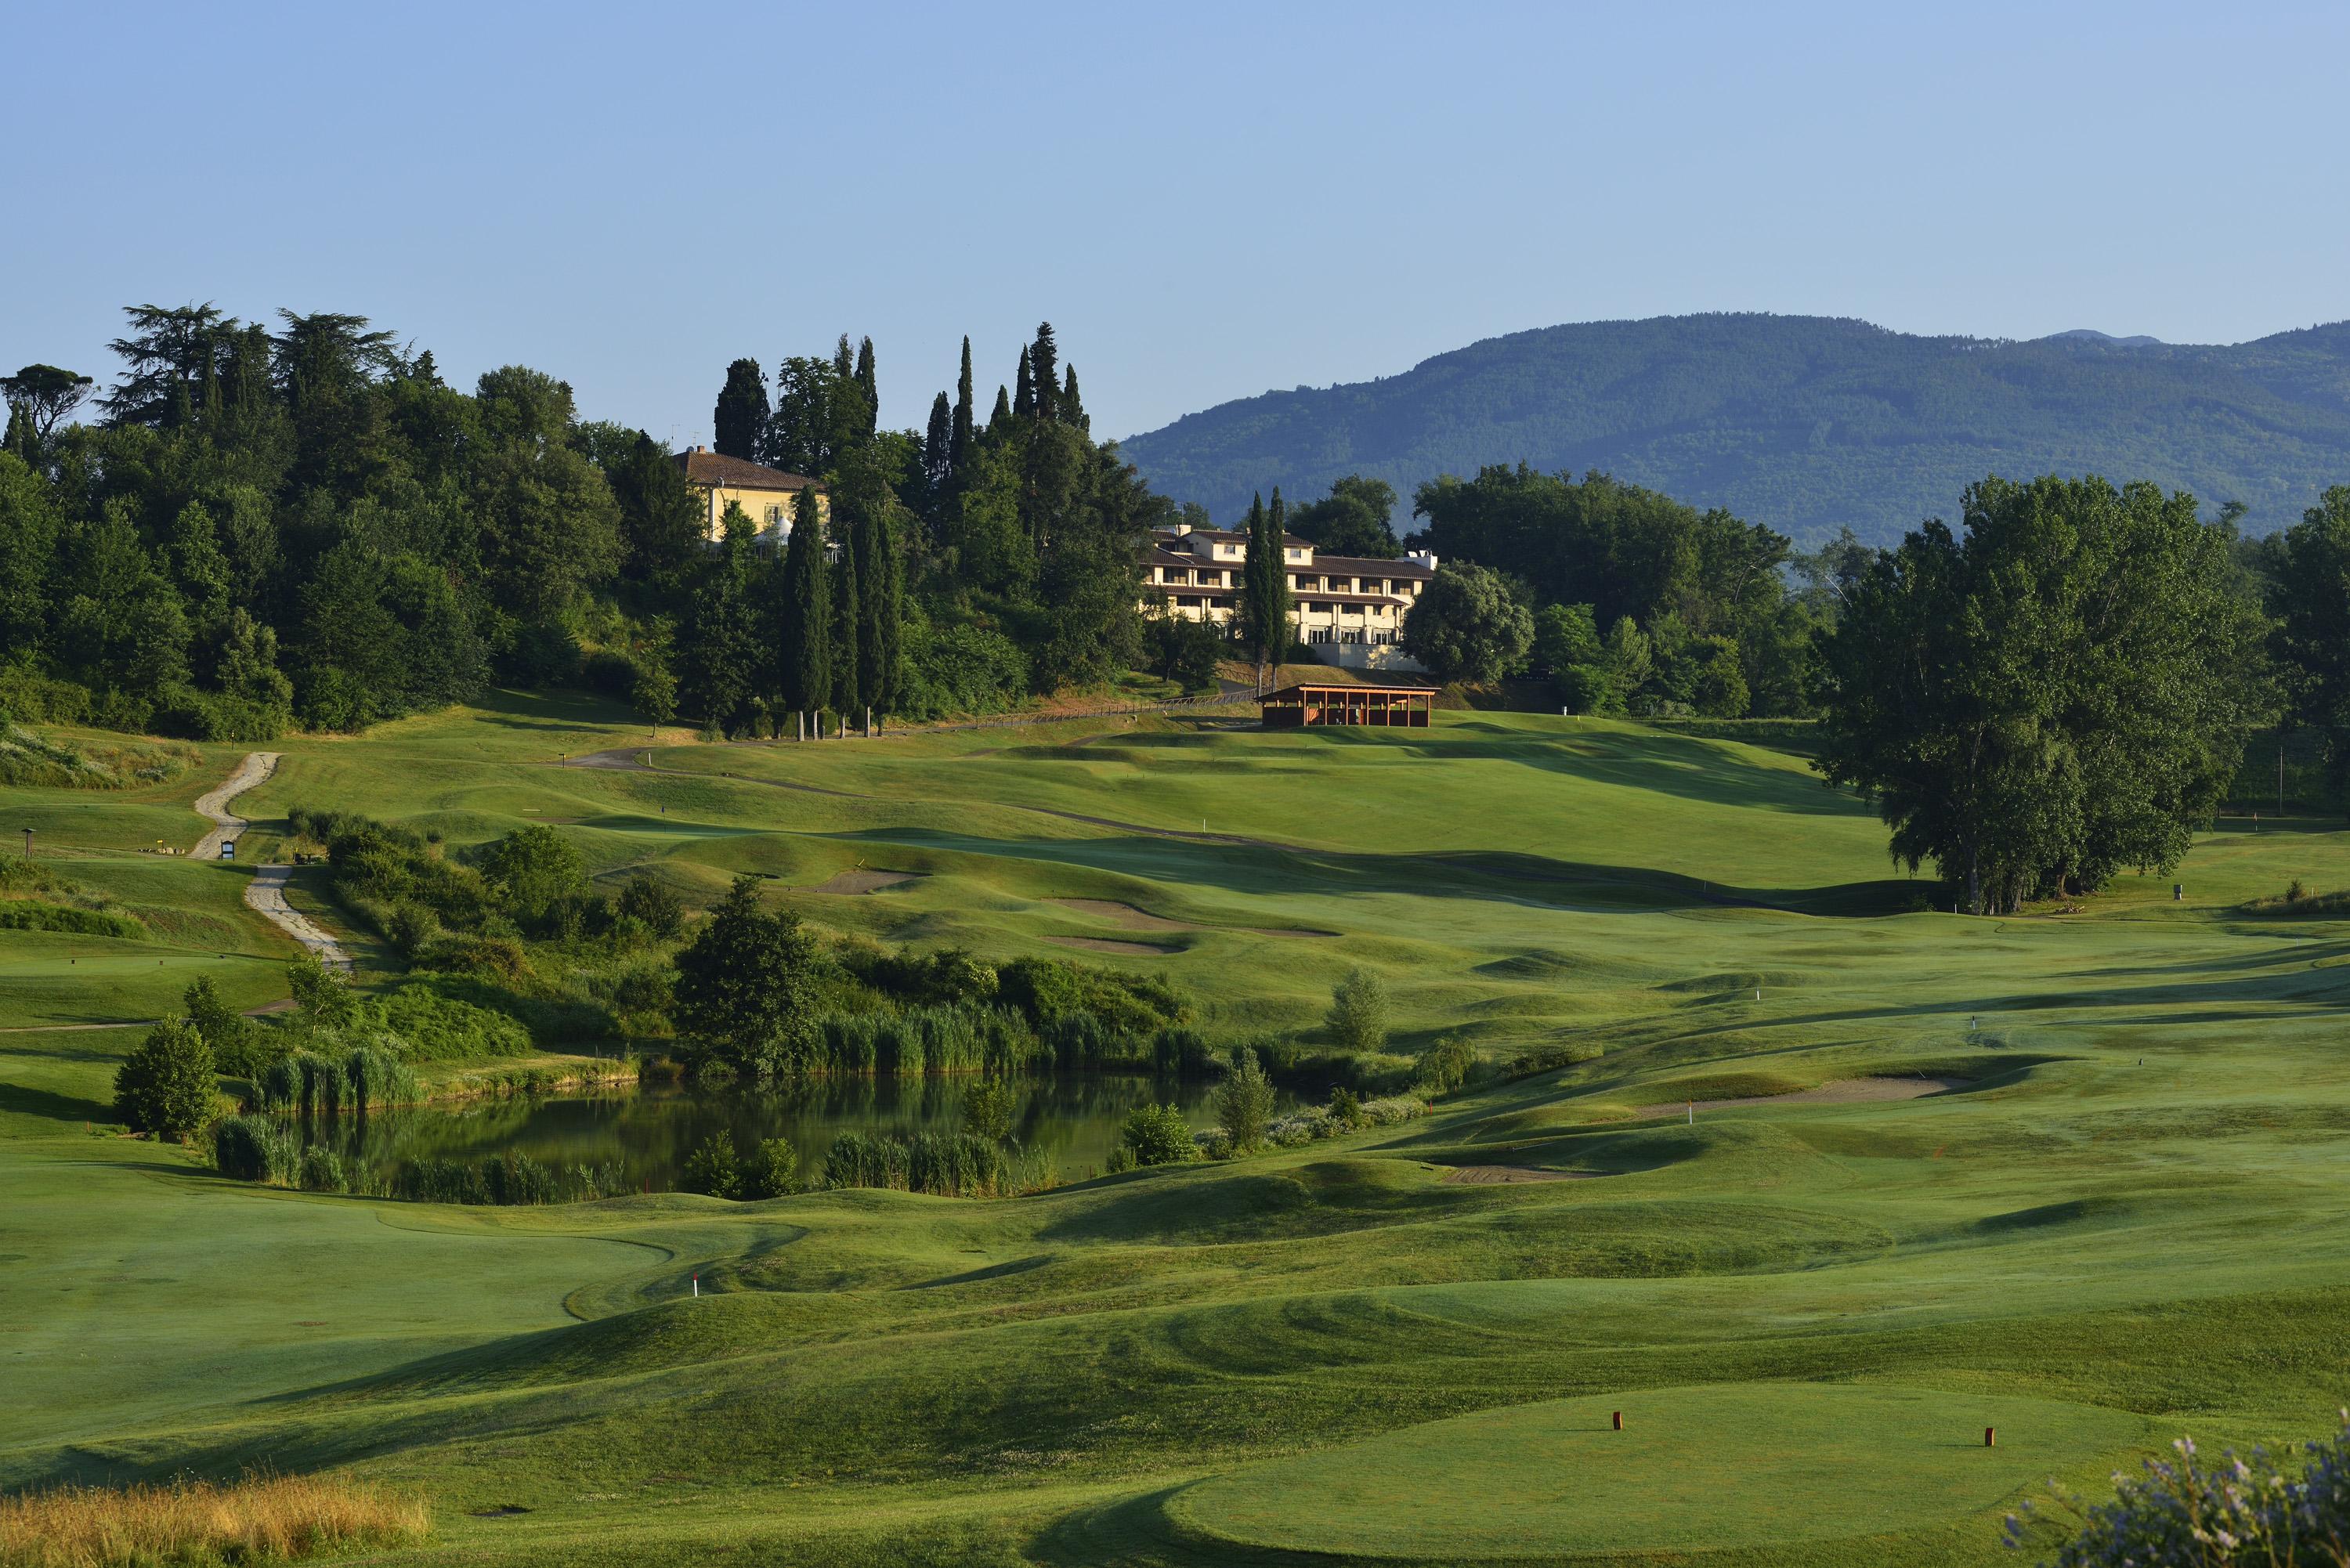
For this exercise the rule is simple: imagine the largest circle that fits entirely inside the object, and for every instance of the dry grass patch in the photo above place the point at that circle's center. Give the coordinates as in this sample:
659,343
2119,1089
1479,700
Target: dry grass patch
260,1518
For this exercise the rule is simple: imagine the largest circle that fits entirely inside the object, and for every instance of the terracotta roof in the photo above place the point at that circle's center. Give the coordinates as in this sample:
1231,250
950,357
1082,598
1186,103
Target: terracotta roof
716,469
1233,536
1369,567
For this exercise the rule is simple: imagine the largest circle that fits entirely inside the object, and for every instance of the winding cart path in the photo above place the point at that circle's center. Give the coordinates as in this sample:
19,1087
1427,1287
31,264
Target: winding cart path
266,891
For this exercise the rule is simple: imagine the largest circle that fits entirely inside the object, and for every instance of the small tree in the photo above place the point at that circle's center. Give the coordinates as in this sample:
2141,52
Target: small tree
326,1002
712,1168
747,987
1156,1135
771,1170
165,1087
652,903
987,1110
1243,1102
1359,1013
537,871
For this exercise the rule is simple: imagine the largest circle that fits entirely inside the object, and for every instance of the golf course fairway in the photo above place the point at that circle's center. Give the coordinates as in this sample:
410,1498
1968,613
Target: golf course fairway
1858,1177
1733,1464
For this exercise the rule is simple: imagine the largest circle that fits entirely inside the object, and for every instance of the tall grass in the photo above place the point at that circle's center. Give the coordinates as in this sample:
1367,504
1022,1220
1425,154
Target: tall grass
366,1076
259,1518
945,1164
510,1179
922,1039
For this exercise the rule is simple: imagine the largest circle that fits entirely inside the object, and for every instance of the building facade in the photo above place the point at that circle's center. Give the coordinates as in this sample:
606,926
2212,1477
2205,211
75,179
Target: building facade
1349,609
766,495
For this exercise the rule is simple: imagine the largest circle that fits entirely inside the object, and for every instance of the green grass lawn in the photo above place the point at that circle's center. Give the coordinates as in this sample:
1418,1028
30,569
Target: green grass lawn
2133,1224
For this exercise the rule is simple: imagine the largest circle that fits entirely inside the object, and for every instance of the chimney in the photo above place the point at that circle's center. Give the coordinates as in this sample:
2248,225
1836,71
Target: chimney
1421,559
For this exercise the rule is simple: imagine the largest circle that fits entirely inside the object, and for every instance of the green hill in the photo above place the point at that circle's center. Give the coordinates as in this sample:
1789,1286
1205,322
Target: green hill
1804,423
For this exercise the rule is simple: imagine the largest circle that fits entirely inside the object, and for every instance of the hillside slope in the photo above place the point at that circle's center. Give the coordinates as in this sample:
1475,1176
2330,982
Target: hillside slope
1800,423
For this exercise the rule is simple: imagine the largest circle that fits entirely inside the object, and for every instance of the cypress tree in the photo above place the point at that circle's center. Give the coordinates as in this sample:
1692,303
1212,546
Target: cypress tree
877,606
1044,364
847,618
1276,536
844,359
1023,388
740,420
959,445
1002,414
864,379
808,628
1252,586
21,438
1073,407
938,445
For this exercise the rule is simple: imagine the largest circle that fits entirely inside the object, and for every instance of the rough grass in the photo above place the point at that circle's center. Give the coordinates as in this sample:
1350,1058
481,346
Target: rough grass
261,1519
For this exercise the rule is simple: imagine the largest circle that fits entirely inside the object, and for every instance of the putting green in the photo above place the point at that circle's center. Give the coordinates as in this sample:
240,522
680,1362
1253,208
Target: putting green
1738,1464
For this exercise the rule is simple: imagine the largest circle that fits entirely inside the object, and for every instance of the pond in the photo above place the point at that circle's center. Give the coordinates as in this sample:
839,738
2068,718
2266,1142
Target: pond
652,1131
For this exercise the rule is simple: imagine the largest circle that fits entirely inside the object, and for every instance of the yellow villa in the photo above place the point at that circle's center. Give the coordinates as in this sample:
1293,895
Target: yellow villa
765,494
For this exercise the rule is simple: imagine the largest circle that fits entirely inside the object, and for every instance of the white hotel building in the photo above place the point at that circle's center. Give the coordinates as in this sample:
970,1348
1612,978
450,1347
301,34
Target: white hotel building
1349,609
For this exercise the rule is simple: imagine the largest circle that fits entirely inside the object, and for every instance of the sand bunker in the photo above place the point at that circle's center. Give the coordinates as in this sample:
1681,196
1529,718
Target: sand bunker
1108,945
1510,1175
863,881
1843,1092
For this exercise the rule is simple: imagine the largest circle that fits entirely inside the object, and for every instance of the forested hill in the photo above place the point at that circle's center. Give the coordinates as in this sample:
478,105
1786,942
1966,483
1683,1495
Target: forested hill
1802,423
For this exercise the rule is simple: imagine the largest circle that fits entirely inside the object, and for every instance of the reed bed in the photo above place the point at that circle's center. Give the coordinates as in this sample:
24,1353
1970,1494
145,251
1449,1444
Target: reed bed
260,1518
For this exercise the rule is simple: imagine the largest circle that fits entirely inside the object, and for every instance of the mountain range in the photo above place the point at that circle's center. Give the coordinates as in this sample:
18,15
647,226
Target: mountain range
1804,423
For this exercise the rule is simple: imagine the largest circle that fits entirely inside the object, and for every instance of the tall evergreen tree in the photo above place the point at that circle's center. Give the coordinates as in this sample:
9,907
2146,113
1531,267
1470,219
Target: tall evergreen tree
1023,388
719,642
23,439
1264,584
867,380
1001,415
958,444
848,616
1073,407
844,359
938,445
740,420
1044,366
807,612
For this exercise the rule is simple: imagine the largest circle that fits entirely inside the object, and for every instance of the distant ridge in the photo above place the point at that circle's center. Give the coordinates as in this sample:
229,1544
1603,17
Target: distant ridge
1800,423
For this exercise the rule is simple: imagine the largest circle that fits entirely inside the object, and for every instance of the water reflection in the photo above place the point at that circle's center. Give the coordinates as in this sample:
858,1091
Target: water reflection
652,1131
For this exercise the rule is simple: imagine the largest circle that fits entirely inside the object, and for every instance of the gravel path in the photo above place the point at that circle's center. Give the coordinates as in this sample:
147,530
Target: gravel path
266,891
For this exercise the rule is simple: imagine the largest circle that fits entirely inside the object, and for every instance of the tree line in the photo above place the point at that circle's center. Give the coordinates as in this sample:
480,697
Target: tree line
301,523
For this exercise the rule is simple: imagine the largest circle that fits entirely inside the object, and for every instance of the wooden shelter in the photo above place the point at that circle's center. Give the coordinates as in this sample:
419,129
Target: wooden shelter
1302,706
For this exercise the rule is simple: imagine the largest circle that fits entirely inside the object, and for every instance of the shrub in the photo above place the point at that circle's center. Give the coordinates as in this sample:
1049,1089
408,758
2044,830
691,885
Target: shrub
537,874
771,1170
1181,1052
1326,1121
1445,1065
1550,1058
321,1170
653,906
31,915
435,1026
165,1087
712,1169
1346,1107
1156,1135
2185,1514
2294,892
1243,1103
1359,1013
987,1110
230,1034
326,1002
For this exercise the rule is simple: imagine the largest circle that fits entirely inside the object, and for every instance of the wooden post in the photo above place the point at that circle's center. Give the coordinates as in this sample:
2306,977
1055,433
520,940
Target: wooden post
1619,1420
1991,1436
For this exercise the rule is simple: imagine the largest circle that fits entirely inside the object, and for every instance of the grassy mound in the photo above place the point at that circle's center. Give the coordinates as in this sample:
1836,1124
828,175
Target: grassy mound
1727,1465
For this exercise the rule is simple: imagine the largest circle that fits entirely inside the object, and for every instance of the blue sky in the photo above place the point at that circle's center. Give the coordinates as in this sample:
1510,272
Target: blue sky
1206,199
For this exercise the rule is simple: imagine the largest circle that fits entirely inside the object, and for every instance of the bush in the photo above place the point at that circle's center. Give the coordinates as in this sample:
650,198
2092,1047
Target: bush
165,1087
2185,1514
30,915
1359,1013
653,906
1243,1103
771,1170
1550,1058
437,1027
1445,1065
1156,1135
713,1168
321,1170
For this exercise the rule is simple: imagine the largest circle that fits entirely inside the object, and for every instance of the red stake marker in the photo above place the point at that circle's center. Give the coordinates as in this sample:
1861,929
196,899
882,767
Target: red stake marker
1619,1420
1991,1436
